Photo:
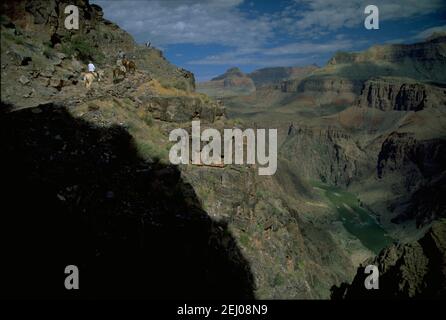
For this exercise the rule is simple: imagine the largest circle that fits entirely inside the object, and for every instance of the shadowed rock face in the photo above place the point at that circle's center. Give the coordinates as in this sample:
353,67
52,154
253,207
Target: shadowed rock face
412,270
417,168
78,194
400,94
338,159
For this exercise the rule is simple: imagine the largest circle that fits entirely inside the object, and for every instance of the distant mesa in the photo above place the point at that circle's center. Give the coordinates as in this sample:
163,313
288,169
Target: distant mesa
231,72
235,82
232,83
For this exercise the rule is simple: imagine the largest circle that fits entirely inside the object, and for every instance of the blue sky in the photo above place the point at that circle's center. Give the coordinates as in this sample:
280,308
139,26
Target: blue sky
208,37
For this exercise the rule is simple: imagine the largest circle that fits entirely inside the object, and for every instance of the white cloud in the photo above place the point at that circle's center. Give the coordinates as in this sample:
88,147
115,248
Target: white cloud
193,22
253,61
255,41
313,17
290,54
309,47
428,32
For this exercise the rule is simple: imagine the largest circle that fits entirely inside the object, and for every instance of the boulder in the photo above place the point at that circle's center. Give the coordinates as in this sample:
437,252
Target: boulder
24,80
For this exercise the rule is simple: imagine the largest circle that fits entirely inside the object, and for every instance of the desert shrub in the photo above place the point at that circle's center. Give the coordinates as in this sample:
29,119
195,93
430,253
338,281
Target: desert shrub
244,239
278,280
84,48
176,84
18,39
151,151
49,53
205,98
148,119
181,85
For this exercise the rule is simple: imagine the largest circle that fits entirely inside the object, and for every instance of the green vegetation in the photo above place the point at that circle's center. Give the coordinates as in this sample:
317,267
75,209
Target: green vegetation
15,38
177,84
151,151
148,119
244,239
84,48
278,280
49,52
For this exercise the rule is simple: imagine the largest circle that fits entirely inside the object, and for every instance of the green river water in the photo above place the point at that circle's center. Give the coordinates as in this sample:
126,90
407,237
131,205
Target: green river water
356,219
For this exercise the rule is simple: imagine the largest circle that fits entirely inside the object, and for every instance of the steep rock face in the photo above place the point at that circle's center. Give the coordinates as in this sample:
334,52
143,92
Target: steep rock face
183,109
423,60
322,85
401,149
397,94
291,256
46,19
427,203
412,270
346,74
331,90
396,53
415,169
326,154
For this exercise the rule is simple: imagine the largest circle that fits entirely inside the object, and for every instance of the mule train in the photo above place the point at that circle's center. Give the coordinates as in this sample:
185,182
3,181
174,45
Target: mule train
88,78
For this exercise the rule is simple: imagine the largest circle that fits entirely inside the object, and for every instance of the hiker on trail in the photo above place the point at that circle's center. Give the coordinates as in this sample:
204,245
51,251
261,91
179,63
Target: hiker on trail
121,56
89,76
148,44
91,67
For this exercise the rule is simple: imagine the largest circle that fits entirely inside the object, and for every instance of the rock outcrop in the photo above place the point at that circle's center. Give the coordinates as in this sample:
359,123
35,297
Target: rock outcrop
411,77
335,157
322,85
412,270
424,60
416,171
400,94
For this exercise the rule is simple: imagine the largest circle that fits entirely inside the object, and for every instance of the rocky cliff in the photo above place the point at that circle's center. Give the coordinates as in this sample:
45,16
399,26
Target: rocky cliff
415,169
412,270
410,77
335,157
400,94
424,60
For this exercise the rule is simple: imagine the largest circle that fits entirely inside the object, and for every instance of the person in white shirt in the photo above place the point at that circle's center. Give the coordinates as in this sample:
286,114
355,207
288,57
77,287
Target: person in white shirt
91,67
92,70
